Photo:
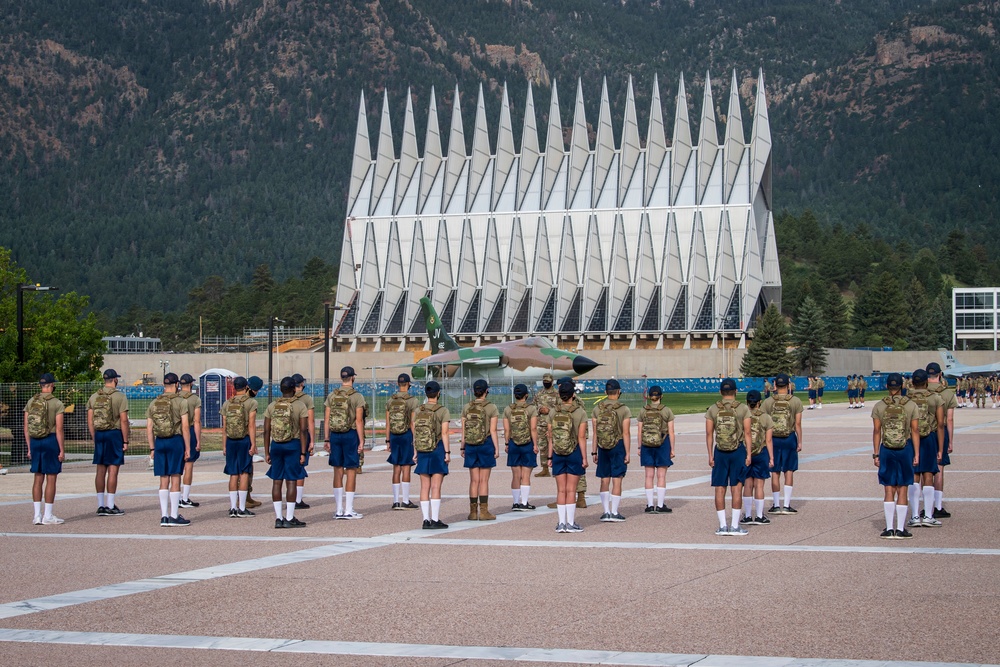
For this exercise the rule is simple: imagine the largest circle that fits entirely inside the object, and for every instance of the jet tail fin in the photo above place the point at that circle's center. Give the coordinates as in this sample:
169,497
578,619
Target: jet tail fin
440,340
948,358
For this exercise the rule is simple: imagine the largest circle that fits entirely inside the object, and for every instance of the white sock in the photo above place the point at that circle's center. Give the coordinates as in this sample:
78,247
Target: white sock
435,509
571,513
929,500
175,501
914,500
722,519
661,495
164,502
759,506
348,502
395,493
242,495
616,501
233,499
561,511
938,499
425,509
289,511
109,498
298,493
788,495
185,492
100,500
890,512
649,497
404,488
736,517
747,505
338,497
606,501
38,509
516,494
901,516
777,498
48,511
525,491
277,508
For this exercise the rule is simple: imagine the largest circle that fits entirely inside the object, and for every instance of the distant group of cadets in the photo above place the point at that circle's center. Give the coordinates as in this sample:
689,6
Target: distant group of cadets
974,391
912,439
857,385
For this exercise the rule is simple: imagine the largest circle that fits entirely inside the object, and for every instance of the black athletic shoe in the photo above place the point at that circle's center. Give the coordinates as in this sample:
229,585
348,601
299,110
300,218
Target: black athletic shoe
516,507
663,509
102,511
903,534
650,509
397,506
888,534
234,513
774,510
295,523
189,503
762,521
114,511
942,514
164,521
428,525
789,510
438,525
302,506
244,513
746,521
409,506
527,507
281,523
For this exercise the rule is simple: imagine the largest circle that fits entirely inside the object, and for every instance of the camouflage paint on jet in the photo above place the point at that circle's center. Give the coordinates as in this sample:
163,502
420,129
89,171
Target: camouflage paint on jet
524,360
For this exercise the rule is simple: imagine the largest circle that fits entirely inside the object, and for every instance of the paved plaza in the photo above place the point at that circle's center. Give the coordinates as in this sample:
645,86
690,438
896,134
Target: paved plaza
819,588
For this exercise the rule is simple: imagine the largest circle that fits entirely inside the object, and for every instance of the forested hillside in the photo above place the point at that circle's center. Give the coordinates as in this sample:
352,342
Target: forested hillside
147,146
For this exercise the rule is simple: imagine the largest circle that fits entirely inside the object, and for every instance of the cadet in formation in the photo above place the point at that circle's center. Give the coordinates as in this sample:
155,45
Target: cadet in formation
346,411
239,424
43,431
480,449
611,449
727,429
307,437
107,421
192,403
786,413
931,420
656,449
431,440
520,430
895,429
567,442
399,441
761,461
285,451
937,383
168,428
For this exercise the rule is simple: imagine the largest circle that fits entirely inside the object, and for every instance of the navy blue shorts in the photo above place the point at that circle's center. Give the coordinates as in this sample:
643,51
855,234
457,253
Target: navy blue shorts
570,464
852,393
730,468
481,456
344,450
928,454
654,457
109,448
895,466
862,392
168,456
812,394
819,393
521,456
432,463
195,454
786,456
45,455
611,462
759,465
402,449
945,459
238,459
285,461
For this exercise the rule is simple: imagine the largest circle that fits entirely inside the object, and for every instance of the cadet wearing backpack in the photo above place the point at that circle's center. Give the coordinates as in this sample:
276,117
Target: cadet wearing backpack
862,388
938,384
193,404
931,422
656,449
727,428
896,426
432,442
168,431
239,423
567,440
284,421
811,392
399,441
820,386
761,459
307,437
611,448
480,449
786,412
43,431
546,400
581,484
520,430
107,421
852,391
346,411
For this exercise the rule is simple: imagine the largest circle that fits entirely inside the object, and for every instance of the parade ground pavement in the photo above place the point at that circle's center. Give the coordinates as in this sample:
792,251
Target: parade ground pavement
819,588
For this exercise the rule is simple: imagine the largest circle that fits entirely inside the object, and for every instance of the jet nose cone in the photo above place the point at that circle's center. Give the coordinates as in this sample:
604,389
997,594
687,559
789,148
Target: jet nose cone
582,364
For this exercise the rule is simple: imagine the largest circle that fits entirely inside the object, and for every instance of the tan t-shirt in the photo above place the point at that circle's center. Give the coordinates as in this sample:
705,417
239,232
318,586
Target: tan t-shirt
119,403
354,401
412,403
305,398
794,405
934,401
947,395
742,414
760,424
299,412
910,408
666,414
531,412
249,406
192,402
178,408
54,407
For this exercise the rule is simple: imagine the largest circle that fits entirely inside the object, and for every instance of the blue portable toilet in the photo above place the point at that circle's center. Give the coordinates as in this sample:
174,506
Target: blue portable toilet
215,386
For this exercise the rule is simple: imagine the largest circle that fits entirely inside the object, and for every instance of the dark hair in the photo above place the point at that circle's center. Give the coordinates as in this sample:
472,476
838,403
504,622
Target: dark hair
479,393
566,390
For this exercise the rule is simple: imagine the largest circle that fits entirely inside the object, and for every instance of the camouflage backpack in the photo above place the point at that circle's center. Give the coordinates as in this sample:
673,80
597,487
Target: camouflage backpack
104,420
757,431
425,439
477,427
237,422
281,420
38,416
653,427
781,413
608,424
926,417
895,425
399,421
564,440
520,424
162,415
341,419
728,428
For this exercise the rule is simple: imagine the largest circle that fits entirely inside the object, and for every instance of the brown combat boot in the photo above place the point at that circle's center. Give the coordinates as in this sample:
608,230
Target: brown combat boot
581,500
552,506
252,503
544,472
473,509
484,509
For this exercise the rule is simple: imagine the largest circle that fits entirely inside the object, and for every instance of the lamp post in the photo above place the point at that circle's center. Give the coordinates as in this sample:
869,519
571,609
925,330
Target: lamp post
21,289
270,357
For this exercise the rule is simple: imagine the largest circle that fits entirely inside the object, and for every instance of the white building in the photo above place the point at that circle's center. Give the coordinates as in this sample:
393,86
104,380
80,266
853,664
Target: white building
975,314
633,242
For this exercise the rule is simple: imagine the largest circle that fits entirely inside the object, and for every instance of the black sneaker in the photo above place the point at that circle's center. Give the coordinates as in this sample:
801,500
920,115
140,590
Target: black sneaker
746,521
774,510
409,506
179,520
244,513
164,521
789,510
302,505
295,523
438,525
941,514
650,509
189,503
397,506
762,521
428,525
888,534
903,534
527,507
516,507
234,513
114,511
281,523
663,509
102,511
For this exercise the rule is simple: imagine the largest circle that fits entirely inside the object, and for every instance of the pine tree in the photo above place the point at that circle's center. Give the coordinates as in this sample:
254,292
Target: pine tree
923,332
882,312
838,327
767,355
809,335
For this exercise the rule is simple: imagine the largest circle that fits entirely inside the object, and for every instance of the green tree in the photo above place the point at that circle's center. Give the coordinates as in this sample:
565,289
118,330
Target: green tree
767,353
838,327
923,331
809,335
60,336
881,312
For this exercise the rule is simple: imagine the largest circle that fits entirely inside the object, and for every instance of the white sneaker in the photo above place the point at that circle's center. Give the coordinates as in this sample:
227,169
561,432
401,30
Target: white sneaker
52,521
37,521
3,471
722,532
149,465
738,530
929,521
257,458
352,515
561,528
914,522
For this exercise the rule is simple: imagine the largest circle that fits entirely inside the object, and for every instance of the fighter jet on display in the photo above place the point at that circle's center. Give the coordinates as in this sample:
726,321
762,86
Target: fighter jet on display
524,360
952,368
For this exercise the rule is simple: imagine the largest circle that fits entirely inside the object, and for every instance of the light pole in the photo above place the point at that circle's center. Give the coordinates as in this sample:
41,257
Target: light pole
21,289
270,357
328,306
